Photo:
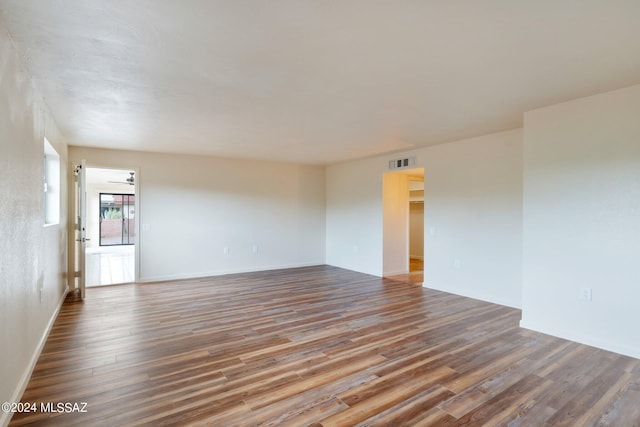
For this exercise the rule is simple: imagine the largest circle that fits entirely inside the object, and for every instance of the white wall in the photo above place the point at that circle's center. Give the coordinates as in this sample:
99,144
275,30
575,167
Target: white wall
192,207
395,214
32,257
582,220
354,215
473,216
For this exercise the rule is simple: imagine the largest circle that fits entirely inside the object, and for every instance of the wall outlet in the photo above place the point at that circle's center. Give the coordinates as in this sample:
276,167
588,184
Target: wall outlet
226,250
457,264
254,249
585,294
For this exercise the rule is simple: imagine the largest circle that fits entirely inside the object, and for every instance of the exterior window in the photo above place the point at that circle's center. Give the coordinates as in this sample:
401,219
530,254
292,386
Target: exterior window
51,187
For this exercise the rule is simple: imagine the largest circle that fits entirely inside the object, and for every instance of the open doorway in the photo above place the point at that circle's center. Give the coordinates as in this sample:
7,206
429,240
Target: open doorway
403,225
416,228
111,226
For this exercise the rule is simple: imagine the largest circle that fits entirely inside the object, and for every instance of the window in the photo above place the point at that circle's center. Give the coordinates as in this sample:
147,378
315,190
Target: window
117,219
51,187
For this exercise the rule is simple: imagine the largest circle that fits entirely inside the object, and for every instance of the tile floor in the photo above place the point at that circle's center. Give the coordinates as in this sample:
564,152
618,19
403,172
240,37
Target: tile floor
109,265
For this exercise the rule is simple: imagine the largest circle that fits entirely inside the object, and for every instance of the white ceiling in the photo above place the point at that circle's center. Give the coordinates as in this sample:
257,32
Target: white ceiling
314,81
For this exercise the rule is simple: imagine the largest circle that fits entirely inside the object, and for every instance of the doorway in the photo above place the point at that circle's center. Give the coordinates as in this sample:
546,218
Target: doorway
403,225
416,228
110,256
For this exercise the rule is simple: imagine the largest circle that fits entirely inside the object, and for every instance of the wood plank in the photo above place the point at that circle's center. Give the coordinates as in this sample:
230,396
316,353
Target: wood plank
317,346
624,410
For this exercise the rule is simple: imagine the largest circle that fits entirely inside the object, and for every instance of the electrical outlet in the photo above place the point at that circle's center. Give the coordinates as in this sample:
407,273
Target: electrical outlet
585,294
226,250
254,249
457,264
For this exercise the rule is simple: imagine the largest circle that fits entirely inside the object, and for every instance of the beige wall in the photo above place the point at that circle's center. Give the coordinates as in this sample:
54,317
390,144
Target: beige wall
582,220
32,257
395,196
473,216
354,215
192,207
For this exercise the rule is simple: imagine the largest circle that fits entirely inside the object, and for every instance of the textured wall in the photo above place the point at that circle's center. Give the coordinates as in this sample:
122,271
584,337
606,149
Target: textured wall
32,257
473,216
192,207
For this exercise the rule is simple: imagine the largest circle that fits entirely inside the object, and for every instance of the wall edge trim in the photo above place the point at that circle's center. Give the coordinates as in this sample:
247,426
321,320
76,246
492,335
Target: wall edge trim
581,339
5,418
472,296
200,275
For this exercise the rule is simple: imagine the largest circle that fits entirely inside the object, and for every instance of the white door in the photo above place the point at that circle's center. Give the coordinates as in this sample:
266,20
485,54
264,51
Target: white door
81,225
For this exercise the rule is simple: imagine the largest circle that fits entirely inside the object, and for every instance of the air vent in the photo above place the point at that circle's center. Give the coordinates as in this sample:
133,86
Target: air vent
404,163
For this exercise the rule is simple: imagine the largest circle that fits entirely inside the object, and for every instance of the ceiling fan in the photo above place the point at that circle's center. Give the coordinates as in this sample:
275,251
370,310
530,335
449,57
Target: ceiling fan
131,180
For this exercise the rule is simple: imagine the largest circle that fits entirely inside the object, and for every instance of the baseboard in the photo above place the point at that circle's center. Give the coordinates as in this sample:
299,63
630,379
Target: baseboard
472,295
395,273
5,418
590,341
200,275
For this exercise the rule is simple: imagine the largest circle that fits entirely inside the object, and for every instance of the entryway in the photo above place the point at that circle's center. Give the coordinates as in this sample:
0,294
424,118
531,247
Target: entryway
108,265
111,226
403,225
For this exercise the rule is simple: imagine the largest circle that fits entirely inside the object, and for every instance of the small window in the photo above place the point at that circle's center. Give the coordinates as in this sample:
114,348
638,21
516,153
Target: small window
51,187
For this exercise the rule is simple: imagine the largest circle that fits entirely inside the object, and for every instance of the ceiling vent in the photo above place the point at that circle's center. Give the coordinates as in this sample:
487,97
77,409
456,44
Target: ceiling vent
405,163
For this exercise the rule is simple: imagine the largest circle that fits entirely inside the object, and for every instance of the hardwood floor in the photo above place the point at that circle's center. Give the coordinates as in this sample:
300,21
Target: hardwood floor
415,275
317,346
416,264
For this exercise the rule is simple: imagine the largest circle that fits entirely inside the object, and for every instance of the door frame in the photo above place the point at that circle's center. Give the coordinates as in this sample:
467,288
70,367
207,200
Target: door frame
79,237
395,217
72,283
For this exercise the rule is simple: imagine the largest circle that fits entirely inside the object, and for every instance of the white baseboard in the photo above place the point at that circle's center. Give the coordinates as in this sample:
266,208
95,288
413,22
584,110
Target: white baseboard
467,294
200,275
26,376
590,341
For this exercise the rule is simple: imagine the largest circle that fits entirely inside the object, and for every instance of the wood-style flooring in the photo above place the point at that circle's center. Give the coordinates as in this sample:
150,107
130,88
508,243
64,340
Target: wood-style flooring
317,346
415,274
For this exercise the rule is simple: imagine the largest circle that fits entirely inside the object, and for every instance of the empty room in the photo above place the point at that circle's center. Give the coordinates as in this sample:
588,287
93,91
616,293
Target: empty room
305,213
